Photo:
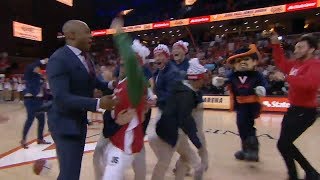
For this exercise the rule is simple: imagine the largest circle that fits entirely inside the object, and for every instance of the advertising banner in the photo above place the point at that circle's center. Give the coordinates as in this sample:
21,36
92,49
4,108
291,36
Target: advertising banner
27,31
275,104
301,6
249,13
199,20
216,102
102,32
269,104
160,25
179,22
133,28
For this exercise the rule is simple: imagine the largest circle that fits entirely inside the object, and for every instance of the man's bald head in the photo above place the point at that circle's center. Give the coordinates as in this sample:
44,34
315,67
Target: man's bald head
72,25
77,34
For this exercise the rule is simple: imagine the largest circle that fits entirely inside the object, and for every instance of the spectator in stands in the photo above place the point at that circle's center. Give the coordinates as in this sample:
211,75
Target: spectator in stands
275,85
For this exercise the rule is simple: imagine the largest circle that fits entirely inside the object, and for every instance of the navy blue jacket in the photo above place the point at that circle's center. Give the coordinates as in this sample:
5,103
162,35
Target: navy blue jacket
165,80
183,66
33,80
72,89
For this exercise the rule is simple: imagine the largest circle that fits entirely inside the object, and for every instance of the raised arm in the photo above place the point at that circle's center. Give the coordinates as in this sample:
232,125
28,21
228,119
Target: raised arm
135,77
278,55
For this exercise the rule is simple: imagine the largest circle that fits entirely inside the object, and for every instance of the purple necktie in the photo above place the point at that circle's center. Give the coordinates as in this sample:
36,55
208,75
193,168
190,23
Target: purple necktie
89,64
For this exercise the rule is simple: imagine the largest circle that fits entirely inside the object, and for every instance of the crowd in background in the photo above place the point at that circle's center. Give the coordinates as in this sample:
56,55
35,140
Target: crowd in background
212,54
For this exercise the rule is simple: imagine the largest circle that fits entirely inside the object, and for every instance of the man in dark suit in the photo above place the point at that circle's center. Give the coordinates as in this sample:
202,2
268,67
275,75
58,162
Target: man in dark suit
33,99
72,81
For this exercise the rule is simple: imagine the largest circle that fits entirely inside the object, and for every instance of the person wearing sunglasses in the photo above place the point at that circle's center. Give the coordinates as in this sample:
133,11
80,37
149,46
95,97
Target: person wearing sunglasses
246,85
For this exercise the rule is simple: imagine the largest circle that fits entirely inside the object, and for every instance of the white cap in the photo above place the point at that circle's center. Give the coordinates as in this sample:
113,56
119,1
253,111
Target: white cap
195,70
161,48
140,49
183,45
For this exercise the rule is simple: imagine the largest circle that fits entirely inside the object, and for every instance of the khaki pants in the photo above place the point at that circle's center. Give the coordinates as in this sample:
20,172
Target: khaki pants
203,152
164,153
100,163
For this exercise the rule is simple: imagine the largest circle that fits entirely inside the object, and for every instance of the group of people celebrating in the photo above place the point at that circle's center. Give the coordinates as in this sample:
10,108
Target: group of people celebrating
174,89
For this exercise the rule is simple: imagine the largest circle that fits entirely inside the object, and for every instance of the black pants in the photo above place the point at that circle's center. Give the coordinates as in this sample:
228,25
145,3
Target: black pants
32,105
295,122
246,114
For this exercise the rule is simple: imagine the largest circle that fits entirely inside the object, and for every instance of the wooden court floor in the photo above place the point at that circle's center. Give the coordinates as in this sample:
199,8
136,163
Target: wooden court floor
222,140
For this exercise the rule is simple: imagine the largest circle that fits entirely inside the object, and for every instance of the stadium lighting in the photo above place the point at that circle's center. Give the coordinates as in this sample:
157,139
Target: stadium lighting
280,38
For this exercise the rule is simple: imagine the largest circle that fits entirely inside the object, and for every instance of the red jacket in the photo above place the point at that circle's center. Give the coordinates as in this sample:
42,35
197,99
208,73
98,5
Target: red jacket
303,78
130,137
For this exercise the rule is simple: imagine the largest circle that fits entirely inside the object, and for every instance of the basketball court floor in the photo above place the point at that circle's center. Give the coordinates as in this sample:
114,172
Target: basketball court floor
221,134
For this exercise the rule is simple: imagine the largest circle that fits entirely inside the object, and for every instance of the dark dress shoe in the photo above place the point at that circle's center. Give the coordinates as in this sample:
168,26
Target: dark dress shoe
42,141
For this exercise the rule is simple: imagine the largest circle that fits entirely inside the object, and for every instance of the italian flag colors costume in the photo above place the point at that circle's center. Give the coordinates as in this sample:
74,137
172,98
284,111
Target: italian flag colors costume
131,91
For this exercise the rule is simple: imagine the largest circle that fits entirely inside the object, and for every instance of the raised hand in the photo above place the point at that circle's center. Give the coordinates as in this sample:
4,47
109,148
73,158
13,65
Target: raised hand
117,24
274,38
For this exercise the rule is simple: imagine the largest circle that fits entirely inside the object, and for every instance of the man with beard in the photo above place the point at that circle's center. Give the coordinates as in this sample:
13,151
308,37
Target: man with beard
303,76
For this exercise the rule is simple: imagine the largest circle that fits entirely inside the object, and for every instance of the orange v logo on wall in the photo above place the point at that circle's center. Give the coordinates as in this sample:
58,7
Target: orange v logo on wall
67,2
